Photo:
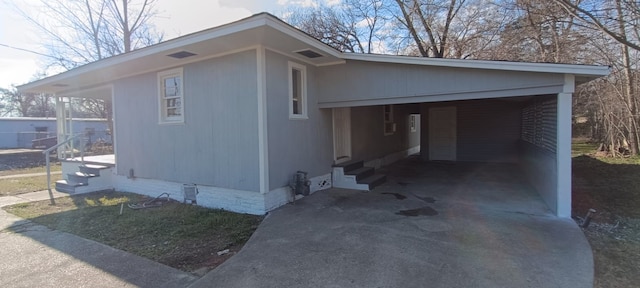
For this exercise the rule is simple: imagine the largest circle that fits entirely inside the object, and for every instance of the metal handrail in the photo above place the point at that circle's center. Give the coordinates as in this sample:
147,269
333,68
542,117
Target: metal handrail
47,156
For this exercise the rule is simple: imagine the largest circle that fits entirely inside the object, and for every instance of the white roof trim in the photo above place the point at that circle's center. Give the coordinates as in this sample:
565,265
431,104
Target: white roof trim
255,21
585,70
268,20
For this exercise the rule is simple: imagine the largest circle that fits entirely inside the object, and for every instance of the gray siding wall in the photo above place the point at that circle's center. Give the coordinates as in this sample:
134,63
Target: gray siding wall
487,130
218,143
361,80
368,141
296,144
538,161
541,170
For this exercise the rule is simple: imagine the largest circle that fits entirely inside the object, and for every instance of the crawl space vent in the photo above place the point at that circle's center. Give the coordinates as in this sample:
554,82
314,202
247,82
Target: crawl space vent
309,53
181,54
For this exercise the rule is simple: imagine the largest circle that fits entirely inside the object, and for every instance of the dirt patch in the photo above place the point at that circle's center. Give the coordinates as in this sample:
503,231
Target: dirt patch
610,186
616,250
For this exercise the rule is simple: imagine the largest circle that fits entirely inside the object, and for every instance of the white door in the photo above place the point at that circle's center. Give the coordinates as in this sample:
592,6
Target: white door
442,133
341,134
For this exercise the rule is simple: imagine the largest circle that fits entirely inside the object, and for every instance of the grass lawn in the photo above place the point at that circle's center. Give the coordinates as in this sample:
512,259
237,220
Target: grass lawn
182,236
15,186
612,187
40,169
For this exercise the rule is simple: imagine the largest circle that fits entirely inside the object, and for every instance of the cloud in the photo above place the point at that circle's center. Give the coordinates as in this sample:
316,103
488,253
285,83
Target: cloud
16,71
187,16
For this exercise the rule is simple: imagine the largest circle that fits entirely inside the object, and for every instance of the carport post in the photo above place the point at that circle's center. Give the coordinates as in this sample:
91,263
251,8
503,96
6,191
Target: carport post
563,155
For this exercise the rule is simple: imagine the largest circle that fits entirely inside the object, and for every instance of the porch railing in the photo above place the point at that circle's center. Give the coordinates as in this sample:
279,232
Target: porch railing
47,155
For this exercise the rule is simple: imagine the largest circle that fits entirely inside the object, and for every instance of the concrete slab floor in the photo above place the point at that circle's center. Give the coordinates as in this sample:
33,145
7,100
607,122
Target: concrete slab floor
436,225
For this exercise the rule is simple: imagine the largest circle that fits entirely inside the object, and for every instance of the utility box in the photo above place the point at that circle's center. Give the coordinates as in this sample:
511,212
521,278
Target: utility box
190,191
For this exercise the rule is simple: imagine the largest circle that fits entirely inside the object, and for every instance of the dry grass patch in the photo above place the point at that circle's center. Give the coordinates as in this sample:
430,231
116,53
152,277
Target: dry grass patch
40,169
182,236
16,186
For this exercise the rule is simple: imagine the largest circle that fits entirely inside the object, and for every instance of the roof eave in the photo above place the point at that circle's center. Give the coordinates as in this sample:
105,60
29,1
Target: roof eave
583,71
255,21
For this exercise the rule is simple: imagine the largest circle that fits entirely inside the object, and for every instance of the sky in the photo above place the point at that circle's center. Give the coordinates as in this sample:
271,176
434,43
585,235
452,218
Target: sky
175,18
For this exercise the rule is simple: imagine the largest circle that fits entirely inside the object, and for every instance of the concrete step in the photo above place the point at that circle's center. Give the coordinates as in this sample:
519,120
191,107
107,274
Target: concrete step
362,172
80,177
92,169
68,186
350,165
374,180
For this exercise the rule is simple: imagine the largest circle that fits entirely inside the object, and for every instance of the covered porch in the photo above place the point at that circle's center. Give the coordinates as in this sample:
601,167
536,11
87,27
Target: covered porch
87,156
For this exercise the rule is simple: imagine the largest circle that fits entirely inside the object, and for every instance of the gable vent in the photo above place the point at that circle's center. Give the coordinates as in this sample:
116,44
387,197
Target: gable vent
309,53
181,54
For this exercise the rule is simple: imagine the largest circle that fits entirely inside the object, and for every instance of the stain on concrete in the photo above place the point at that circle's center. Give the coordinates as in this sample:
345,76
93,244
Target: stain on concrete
403,184
430,200
423,211
397,195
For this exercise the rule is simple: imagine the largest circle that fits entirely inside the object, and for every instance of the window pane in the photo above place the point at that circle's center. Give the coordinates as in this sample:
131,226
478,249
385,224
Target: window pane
171,112
296,77
171,86
174,103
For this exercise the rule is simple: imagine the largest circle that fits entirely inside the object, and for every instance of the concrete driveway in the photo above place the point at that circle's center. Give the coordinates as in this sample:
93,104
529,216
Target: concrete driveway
436,225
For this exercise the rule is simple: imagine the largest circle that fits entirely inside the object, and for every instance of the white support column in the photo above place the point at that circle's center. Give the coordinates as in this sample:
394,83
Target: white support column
60,123
263,140
563,149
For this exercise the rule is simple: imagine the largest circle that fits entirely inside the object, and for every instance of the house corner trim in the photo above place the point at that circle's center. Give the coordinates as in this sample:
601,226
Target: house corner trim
263,140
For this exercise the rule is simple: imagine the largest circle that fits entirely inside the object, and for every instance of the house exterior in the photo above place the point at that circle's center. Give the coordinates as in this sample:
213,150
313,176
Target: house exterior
19,132
239,109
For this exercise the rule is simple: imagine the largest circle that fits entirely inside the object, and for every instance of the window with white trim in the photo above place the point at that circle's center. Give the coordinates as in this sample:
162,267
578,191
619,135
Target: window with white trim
171,96
389,125
297,91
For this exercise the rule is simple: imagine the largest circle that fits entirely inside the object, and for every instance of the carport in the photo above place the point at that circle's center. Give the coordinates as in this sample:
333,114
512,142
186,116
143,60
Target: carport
432,224
469,111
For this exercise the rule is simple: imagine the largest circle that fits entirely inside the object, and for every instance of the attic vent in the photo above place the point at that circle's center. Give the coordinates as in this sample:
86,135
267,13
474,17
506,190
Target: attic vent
181,54
60,85
309,53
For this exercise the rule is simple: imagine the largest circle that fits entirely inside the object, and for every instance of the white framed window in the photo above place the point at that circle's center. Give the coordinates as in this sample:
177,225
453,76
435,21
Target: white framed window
389,125
297,91
171,96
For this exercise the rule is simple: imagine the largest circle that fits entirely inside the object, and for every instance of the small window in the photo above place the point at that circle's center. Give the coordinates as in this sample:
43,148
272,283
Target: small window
171,96
412,122
389,125
297,91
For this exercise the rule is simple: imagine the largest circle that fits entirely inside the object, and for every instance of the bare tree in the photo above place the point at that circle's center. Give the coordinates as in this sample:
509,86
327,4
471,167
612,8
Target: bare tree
601,15
25,105
351,27
539,31
76,32
619,20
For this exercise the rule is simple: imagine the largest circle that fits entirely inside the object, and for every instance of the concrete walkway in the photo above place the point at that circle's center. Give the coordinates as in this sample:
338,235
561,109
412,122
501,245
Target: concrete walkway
444,226
35,256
